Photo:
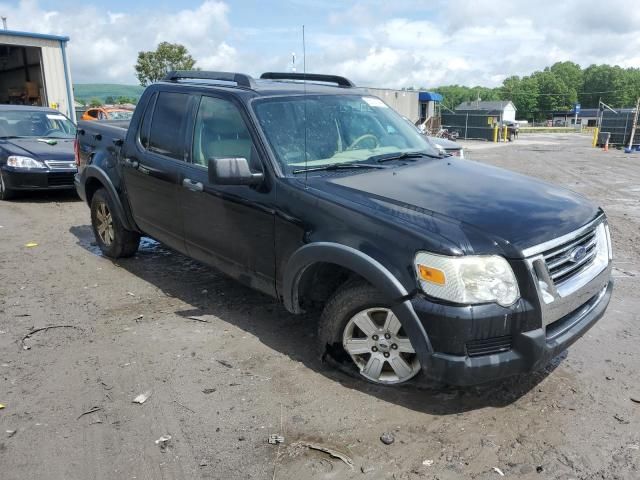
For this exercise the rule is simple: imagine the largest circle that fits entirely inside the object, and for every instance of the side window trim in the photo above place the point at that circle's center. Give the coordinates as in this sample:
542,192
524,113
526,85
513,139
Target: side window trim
145,123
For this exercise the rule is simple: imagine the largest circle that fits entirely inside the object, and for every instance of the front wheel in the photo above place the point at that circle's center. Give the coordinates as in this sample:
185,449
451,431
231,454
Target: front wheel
5,193
112,238
360,333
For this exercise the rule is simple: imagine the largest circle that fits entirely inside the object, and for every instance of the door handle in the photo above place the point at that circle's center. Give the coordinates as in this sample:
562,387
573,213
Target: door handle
192,185
131,163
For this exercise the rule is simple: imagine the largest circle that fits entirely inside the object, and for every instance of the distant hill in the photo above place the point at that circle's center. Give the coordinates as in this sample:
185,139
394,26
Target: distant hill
88,91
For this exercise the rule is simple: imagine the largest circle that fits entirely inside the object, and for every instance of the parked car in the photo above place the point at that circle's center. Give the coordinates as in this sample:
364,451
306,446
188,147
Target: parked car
107,113
36,150
447,147
325,198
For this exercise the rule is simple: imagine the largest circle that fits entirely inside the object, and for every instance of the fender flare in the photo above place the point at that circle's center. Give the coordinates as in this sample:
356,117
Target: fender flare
368,268
94,172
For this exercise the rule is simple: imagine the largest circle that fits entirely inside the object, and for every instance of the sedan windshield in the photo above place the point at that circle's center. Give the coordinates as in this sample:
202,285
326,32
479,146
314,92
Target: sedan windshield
35,123
315,130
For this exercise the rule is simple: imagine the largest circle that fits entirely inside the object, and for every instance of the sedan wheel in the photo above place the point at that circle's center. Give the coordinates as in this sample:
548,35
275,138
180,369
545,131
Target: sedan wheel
376,342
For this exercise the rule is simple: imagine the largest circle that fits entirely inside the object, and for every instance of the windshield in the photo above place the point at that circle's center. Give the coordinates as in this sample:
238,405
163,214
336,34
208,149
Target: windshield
35,123
340,129
120,114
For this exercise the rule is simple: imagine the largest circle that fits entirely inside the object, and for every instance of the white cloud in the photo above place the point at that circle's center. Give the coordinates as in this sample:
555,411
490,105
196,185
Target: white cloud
104,45
390,44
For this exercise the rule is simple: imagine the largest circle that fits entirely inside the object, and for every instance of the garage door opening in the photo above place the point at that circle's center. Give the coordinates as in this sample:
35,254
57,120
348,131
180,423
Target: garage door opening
21,76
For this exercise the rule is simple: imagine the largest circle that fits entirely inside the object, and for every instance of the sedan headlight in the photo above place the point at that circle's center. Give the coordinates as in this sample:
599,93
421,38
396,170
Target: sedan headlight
24,162
467,279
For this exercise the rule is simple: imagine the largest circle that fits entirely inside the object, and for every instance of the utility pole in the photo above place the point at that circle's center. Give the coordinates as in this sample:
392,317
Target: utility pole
635,124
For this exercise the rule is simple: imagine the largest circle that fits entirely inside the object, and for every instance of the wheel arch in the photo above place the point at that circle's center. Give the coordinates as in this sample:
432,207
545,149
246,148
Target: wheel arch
344,258
364,266
96,178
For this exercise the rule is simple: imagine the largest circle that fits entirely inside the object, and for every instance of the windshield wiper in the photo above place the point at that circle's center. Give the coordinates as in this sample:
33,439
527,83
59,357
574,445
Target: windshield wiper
387,157
337,166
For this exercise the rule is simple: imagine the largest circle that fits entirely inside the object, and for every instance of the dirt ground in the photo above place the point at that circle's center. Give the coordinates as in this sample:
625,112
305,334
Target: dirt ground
227,367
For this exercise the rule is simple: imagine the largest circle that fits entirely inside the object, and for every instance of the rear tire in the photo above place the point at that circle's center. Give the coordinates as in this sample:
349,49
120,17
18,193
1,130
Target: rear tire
5,193
360,335
111,236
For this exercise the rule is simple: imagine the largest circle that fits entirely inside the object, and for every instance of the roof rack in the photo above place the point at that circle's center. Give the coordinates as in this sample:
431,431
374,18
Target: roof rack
317,77
239,79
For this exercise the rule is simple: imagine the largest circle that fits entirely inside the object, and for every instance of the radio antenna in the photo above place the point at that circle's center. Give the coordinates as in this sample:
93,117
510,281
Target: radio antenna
304,103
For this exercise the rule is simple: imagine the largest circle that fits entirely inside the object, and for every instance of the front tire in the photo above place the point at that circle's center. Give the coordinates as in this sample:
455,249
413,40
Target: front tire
112,238
361,335
5,193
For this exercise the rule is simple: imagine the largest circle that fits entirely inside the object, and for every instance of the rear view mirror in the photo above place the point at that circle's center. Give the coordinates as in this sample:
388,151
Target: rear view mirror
232,171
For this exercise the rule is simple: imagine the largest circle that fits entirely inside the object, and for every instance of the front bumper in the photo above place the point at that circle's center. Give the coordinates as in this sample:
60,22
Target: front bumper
530,350
37,179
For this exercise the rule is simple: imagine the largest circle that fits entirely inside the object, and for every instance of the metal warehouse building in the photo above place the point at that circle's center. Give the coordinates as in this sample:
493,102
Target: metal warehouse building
34,70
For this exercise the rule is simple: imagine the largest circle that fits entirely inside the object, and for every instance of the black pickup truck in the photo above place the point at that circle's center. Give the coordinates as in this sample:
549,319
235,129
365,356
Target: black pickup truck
314,192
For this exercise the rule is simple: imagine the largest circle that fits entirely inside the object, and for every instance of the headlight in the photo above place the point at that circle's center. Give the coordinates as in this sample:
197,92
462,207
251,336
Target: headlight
24,162
467,279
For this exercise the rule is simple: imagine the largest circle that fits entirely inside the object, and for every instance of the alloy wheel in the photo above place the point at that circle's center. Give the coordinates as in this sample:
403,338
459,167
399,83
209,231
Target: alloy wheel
104,224
377,344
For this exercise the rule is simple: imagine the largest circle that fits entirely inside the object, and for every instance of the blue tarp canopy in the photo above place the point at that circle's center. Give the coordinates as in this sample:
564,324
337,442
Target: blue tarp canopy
430,97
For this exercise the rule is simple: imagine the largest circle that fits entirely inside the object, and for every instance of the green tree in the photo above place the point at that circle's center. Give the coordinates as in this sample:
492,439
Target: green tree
611,84
109,100
95,102
523,92
553,94
154,65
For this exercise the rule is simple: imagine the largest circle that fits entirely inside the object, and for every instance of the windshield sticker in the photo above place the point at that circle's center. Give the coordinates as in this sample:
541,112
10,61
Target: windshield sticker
375,102
55,116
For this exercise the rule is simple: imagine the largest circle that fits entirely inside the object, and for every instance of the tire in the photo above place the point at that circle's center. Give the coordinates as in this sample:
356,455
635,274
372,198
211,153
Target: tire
5,193
111,236
361,336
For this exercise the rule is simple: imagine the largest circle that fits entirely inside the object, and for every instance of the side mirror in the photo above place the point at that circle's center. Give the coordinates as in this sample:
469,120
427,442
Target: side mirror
232,171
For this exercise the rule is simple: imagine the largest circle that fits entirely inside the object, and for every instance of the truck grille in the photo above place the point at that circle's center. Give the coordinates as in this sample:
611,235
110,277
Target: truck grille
489,346
570,258
60,179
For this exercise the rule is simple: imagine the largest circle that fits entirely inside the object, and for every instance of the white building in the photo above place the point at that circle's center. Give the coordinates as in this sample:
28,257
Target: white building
504,109
34,70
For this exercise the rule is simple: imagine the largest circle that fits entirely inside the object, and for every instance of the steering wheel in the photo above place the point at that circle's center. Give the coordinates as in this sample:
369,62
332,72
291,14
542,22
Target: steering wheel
50,131
362,138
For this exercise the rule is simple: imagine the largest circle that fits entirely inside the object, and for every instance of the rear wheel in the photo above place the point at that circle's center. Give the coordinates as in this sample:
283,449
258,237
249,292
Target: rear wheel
361,335
5,193
112,238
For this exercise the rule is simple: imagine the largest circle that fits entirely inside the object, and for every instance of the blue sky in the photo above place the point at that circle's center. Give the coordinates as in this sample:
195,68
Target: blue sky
394,43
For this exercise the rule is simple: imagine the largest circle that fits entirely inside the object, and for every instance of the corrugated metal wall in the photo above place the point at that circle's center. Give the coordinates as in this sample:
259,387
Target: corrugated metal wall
53,69
405,102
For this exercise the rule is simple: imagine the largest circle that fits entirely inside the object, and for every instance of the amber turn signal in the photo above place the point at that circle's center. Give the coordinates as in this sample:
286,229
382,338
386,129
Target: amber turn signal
432,275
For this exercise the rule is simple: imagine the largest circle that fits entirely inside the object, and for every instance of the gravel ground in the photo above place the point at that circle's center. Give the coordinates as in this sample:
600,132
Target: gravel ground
227,367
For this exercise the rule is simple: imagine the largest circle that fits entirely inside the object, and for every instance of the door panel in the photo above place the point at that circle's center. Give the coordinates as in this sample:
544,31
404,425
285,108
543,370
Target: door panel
230,227
152,168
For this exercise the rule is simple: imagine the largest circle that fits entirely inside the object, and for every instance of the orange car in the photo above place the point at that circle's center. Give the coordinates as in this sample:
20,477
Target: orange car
107,113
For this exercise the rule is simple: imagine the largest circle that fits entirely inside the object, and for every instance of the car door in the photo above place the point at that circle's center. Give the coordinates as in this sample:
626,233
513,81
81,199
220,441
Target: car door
228,226
152,167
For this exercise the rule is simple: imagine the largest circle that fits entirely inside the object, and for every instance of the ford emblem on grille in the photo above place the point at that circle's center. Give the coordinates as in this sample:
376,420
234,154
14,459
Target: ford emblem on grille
577,254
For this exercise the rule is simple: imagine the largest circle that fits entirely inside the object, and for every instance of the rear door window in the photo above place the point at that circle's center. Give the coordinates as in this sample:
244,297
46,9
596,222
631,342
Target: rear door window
168,124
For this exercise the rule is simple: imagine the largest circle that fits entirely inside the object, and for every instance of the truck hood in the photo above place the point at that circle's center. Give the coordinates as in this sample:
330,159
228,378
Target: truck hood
38,149
508,208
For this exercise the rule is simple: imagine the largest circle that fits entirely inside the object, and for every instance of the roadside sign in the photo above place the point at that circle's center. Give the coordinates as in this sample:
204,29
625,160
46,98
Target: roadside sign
576,108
